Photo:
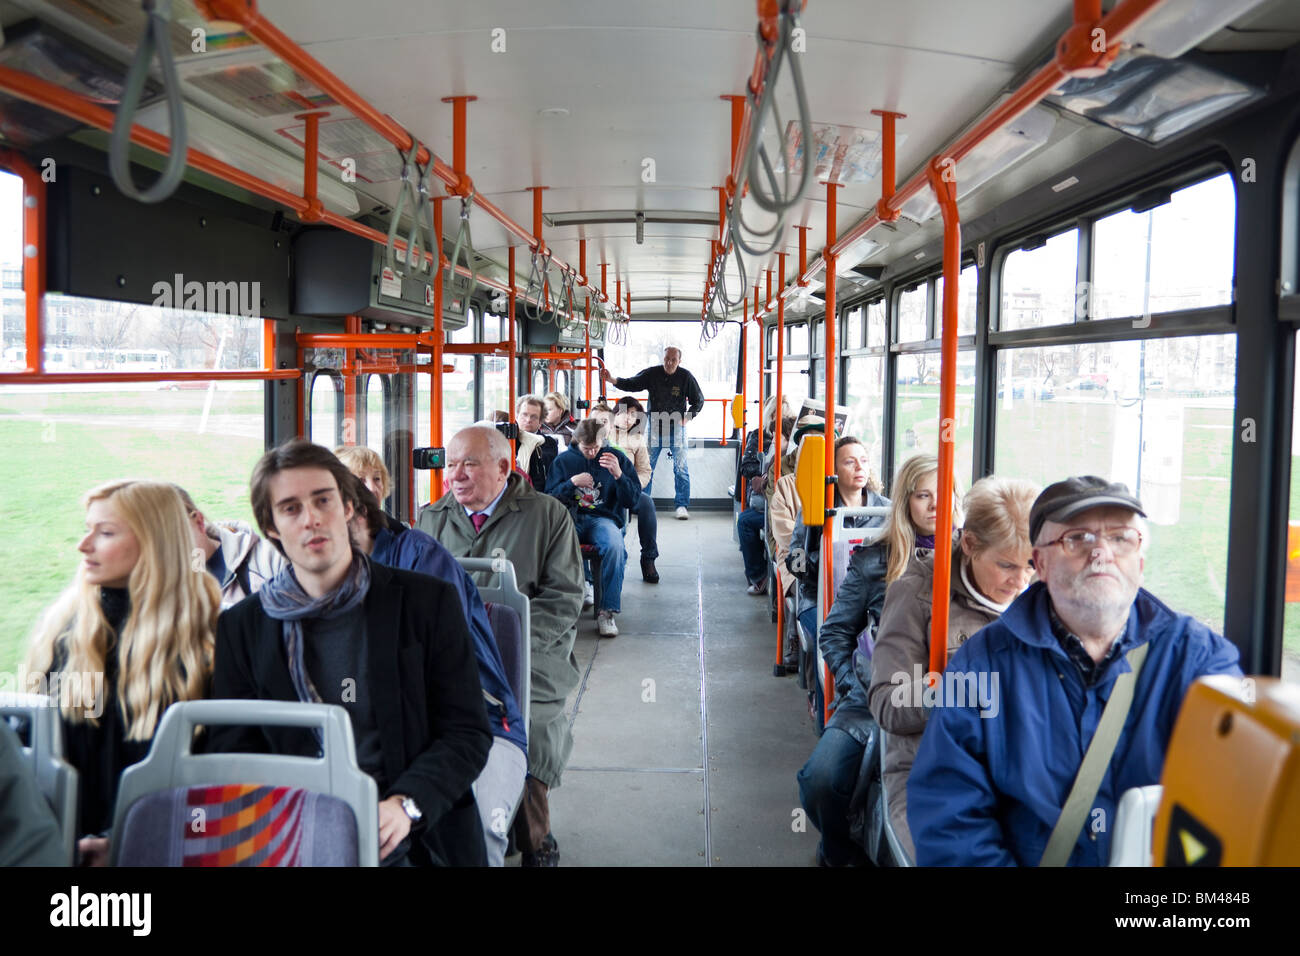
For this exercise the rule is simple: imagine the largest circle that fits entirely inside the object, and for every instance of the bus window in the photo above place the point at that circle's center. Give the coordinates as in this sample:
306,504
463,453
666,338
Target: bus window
1175,256
713,365
1155,414
876,335
458,385
1038,284
912,325
72,438
797,343
865,381
496,385
326,409
851,335
916,418
967,284
539,379
375,393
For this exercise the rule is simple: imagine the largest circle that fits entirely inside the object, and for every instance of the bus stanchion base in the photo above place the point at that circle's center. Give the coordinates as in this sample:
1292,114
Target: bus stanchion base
778,670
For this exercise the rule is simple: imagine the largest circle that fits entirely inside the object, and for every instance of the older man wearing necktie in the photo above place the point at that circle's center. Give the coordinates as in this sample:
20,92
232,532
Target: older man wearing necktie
491,512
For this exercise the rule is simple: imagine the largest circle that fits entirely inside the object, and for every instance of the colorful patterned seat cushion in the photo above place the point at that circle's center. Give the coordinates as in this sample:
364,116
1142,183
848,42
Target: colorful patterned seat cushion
238,825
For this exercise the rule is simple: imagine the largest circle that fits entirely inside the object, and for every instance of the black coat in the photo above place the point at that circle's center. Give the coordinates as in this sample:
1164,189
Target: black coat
858,602
426,692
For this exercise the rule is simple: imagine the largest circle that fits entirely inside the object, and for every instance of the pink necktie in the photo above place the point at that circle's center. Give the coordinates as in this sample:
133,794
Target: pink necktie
478,520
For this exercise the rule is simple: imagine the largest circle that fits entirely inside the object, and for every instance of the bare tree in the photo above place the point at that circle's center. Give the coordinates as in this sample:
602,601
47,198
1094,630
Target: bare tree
108,331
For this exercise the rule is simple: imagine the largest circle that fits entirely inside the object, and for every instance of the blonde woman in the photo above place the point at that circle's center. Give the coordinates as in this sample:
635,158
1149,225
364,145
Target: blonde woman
558,421
991,565
368,465
141,614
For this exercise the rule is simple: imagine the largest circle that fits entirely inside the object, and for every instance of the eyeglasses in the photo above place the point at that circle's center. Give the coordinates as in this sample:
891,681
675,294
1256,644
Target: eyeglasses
1122,541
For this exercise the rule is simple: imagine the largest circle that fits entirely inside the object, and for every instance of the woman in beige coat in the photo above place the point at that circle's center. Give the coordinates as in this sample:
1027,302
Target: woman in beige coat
990,566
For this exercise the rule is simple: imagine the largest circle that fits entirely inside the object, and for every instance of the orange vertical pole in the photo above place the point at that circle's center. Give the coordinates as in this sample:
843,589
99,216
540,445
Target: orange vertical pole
512,370
268,344
779,668
828,357
439,336
887,178
803,252
459,144
586,338
352,326
33,258
310,157
767,300
946,192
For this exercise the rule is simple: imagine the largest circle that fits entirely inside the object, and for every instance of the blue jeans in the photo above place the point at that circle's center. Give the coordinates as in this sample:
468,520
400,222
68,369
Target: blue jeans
826,785
608,539
749,528
675,442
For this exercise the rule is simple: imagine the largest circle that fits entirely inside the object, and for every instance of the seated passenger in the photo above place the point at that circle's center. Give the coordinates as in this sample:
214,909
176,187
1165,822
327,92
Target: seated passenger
130,636
558,420
234,554
368,465
537,452
488,512
990,566
597,484
498,787
990,780
753,468
855,487
628,436
827,780
390,646
782,514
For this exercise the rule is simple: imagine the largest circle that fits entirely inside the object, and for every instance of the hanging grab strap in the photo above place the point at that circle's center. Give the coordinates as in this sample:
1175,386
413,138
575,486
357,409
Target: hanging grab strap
407,188
537,275
464,238
156,38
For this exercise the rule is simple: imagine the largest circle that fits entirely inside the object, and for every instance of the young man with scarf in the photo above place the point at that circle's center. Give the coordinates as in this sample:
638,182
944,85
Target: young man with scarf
392,647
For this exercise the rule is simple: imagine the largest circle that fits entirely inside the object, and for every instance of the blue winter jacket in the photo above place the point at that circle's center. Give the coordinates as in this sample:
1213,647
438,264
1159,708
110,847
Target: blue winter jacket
414,550
987,790
610,497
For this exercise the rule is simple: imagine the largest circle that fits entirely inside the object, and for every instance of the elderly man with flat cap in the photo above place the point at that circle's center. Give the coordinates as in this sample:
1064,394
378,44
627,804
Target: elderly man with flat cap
1078,685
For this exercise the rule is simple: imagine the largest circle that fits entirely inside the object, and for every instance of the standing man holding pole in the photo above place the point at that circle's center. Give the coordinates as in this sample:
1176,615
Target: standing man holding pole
675,398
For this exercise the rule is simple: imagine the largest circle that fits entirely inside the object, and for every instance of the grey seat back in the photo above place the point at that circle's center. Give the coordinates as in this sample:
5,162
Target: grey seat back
504,591
171,762
55,777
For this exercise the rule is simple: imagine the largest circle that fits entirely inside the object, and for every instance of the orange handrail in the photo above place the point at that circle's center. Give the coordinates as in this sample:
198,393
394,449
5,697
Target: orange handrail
946,193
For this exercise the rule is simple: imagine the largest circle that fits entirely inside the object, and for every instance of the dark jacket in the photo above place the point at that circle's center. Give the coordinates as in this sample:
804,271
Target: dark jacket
427,698
564,429
989,782
609,497
858,602
100,753
750,466
415,550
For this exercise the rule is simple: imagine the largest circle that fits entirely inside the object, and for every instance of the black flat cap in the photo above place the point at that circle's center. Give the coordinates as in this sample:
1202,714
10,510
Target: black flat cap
1063,500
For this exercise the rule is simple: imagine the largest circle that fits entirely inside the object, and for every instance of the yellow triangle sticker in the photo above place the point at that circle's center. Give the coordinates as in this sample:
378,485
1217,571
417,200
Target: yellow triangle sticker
1193,849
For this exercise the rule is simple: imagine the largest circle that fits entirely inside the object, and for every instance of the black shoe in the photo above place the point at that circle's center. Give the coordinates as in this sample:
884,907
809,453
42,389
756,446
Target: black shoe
648,572
548,855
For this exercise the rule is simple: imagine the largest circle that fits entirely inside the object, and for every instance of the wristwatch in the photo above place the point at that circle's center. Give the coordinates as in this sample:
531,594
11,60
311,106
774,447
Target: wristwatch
412,809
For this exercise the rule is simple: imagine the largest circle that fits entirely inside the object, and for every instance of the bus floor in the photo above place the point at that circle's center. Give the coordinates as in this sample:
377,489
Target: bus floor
685,745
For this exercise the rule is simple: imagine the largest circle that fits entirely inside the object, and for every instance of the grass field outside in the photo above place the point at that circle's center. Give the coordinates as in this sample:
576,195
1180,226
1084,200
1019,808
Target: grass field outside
60,445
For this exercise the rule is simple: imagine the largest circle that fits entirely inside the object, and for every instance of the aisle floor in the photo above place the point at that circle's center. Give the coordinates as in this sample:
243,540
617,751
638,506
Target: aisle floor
685,745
